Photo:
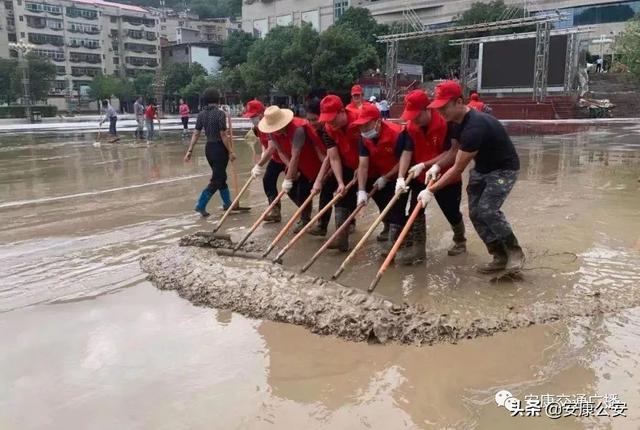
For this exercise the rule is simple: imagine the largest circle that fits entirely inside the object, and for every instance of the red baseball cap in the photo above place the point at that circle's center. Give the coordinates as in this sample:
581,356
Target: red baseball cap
253,108
475,96
356,90
369,112
330,106
414,102
445,92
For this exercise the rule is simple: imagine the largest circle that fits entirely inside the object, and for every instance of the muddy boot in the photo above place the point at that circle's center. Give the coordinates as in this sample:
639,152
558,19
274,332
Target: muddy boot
459,241
201,206
341,242
515,255
225,195
394,232
384,234
320,229
499,253
415,251
274,214
303,221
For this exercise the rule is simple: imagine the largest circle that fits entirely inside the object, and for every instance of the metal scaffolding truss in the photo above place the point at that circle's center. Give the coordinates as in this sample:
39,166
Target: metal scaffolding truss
485,26
541,64
517,36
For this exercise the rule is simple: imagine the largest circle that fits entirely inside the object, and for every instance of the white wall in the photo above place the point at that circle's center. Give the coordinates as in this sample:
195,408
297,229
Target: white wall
201,55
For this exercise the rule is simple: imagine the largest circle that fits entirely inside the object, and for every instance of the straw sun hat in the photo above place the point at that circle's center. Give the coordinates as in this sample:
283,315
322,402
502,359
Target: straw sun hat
274,119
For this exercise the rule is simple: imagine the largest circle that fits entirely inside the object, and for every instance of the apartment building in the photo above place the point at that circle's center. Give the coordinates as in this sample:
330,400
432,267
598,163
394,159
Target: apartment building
83,38
183,27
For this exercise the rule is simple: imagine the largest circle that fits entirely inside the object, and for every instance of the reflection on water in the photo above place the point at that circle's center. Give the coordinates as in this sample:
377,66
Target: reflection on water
77,218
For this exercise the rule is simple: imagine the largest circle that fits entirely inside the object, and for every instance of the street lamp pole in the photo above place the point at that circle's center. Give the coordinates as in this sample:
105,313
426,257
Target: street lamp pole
23,48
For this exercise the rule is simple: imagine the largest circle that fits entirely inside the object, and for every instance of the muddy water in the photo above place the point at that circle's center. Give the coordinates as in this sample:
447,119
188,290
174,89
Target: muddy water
88,343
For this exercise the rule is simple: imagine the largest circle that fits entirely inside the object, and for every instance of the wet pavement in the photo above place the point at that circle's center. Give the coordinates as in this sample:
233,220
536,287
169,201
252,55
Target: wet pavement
89,343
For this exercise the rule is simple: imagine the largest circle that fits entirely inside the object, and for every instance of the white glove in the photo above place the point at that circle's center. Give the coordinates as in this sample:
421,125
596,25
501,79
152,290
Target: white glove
432,173
380,183
287,184
362,197
401,186
425,197
417,169
257,171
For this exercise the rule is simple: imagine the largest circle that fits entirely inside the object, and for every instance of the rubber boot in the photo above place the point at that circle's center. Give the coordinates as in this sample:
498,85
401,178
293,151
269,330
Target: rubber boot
305,217
415,251
201,206
384,234
274,215
320,229
499,253
394,232
225,194
515,255
459,241
341,242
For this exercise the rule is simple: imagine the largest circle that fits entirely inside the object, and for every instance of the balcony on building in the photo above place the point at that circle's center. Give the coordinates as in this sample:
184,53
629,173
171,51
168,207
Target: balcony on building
85,71
42,39
43,8
76,27
141,48
53,55
141,61
36,22
135,34
84,43
76,12
82,57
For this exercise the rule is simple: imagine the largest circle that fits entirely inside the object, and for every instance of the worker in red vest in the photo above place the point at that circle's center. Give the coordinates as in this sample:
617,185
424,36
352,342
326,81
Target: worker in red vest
270,157
298,141
378,167
477,104
341,138
356,100
427,146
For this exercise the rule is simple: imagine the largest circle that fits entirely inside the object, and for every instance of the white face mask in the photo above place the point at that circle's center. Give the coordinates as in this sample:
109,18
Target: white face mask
255,120
370,134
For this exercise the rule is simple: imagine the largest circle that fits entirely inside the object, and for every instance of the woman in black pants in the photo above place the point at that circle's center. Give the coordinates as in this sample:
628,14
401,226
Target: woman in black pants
218,149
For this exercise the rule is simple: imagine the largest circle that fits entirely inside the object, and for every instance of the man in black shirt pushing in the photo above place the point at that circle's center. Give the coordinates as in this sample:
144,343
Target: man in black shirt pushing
482,139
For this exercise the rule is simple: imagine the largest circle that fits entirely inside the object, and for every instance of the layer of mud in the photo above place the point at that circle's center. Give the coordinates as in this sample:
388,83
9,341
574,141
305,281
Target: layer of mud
260,289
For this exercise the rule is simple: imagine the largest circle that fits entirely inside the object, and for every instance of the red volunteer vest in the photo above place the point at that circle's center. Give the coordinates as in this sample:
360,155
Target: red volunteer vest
382,157
264,141
429,145
347,140
476,104
309,163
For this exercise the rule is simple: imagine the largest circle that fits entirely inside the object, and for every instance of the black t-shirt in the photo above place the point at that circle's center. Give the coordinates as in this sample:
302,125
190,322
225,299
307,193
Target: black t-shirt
485,134
213,120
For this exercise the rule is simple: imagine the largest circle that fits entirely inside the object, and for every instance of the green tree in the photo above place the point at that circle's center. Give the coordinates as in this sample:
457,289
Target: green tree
236,48
216,8
281,60
179,75
104,86
7,78
496,10
42,72
629,44
143,85
341,58
362,22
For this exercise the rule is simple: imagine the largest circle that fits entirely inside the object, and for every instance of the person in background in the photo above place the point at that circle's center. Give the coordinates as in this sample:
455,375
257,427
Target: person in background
356,101
218,150
383,107
150,114
184,116
477,104
112,117
138,110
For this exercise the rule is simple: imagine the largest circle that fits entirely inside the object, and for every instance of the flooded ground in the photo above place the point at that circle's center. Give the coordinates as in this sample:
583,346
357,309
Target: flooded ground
89,343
